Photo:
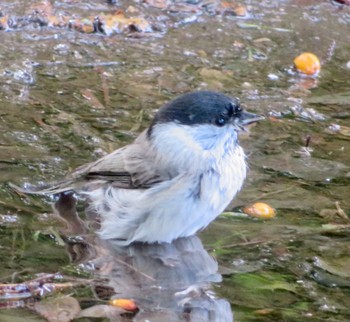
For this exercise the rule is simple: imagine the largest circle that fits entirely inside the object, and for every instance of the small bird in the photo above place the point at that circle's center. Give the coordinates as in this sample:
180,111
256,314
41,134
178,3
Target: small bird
174,179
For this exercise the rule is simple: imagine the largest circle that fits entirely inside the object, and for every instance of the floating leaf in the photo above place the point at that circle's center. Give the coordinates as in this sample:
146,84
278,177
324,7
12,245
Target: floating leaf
231,8
85,25
118,23
58,21
43,8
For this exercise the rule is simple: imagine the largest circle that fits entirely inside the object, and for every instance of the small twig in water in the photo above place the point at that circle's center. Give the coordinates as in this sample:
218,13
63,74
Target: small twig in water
134,269
274,192
341,212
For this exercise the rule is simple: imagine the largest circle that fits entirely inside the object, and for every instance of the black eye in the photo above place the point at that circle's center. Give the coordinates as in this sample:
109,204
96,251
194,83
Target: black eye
237,109
234,109
220,121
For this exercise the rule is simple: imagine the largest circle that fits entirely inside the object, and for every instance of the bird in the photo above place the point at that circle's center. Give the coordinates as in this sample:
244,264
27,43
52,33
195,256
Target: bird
176,177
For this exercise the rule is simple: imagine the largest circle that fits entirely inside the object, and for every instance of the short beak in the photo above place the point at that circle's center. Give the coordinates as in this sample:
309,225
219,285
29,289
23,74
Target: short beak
248,118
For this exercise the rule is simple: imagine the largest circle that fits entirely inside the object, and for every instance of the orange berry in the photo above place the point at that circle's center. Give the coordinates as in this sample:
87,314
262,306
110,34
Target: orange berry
260,210
307,63
128,305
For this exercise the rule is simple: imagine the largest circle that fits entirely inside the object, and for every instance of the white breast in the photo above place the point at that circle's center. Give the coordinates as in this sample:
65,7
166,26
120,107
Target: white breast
211,169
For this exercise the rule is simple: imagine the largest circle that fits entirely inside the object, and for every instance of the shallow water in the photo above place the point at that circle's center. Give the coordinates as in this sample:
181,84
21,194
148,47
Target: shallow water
68,97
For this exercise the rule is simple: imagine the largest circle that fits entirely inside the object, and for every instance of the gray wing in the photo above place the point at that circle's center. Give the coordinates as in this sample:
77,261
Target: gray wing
130,167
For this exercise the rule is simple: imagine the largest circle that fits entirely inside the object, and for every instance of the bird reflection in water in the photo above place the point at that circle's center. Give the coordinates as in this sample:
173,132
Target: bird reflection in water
169,282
